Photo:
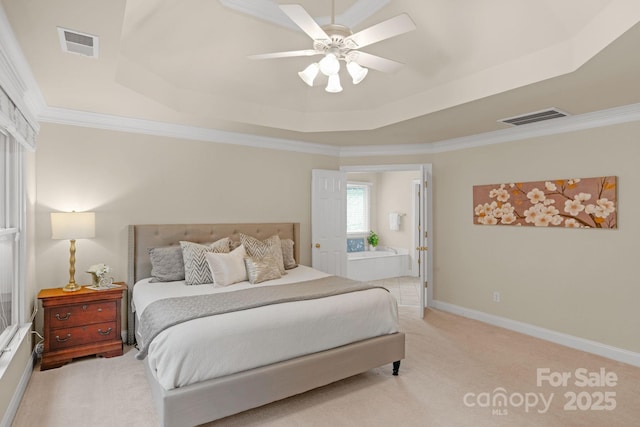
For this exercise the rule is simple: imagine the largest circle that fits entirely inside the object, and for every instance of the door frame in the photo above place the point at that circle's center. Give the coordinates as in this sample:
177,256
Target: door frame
426,187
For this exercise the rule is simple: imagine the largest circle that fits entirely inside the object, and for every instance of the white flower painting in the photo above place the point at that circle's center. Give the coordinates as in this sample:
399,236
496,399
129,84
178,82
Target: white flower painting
570,203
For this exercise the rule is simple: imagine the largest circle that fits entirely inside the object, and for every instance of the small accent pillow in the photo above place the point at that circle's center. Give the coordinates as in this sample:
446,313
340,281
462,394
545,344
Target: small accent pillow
167,264
287,254
196,269
270,247
262,269
227,269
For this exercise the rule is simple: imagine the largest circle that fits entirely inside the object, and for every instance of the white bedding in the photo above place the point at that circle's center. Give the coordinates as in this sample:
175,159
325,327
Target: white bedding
220,345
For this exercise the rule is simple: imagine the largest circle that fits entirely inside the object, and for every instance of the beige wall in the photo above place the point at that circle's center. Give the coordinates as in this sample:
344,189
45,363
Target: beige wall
395,194
140,179
579,282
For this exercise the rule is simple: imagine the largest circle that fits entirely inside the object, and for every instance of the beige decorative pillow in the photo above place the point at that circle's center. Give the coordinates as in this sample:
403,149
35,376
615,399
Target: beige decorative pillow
196,269
227,269
287,254
270,247
262,269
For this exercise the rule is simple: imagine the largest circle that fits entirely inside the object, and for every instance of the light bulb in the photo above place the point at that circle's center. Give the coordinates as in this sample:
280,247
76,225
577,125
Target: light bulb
333,86
309,73
356,71
329,64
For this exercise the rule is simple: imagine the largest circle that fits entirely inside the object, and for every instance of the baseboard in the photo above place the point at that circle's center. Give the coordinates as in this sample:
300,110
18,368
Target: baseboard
578,343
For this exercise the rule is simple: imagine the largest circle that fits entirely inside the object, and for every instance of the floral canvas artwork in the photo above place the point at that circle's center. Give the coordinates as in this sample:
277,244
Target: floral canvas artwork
570,203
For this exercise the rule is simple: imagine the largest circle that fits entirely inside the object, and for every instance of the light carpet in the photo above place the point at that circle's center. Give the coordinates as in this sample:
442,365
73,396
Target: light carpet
454,374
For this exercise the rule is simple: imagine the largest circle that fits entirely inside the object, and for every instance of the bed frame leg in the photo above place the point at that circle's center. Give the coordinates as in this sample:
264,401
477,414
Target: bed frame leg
396,368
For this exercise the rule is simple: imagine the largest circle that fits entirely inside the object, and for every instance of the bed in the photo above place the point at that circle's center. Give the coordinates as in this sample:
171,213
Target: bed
282,351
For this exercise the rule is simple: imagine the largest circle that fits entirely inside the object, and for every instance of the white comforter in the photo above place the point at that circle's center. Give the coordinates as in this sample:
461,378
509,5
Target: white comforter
216,346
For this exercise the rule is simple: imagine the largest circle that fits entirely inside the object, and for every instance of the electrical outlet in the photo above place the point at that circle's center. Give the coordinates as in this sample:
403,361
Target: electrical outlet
496,296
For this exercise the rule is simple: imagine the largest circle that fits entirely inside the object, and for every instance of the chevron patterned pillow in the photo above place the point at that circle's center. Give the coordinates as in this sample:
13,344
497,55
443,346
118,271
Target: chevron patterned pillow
270,247
196,269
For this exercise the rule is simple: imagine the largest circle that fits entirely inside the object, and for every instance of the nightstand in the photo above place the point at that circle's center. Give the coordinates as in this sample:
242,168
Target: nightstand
80,323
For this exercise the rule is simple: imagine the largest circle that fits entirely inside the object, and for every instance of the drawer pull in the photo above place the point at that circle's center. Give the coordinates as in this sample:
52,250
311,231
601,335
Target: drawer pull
63,339
66,317
107,332
100,310
84,307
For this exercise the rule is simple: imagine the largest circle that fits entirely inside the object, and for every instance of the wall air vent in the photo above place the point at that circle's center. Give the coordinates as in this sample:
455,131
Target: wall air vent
537,116
72,41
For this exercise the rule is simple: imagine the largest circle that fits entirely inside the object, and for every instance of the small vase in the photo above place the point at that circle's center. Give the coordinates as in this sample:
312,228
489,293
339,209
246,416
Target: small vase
372,248
105,282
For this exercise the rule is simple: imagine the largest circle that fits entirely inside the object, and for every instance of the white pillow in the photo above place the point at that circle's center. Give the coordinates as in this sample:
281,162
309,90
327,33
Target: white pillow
227,269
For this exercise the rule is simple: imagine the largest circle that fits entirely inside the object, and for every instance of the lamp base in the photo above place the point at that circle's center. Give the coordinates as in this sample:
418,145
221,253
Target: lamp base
71,287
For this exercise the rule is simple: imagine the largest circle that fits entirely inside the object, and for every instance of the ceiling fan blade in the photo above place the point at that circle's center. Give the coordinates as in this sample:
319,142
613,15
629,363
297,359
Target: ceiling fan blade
375,62
386,29
304,21
288,54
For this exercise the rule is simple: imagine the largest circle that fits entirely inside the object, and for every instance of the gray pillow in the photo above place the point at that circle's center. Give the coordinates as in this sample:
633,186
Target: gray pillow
167,264
287,254
196,269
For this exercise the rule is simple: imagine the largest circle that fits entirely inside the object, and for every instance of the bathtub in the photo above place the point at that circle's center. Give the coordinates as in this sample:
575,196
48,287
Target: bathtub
376,265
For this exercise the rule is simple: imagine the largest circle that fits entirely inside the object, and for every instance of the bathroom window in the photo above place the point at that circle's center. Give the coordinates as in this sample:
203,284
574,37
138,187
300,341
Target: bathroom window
358,205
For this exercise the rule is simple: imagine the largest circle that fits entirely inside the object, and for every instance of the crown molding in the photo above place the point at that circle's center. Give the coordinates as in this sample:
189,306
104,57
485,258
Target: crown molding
15,75
608,117
150,127
612,116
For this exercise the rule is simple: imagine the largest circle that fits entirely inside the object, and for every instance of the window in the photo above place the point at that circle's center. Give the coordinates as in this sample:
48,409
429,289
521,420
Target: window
11,239
358,208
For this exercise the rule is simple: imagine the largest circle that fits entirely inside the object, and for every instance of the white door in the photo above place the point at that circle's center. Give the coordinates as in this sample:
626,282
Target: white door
329,221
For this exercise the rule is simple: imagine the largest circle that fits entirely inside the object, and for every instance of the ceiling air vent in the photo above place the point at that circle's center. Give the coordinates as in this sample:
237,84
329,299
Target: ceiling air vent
537,116
75,42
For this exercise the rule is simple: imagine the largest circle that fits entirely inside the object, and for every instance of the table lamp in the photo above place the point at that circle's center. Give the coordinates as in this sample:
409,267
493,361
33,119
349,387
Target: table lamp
71,226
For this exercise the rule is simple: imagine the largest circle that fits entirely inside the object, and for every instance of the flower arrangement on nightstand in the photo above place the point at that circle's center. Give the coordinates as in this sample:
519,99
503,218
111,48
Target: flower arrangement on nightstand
99,277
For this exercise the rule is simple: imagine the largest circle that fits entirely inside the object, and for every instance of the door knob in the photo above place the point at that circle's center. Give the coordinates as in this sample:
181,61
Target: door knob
318,245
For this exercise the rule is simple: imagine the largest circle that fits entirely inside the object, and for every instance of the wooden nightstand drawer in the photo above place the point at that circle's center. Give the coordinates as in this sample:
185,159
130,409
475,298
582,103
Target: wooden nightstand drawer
80,335
81,323
82,314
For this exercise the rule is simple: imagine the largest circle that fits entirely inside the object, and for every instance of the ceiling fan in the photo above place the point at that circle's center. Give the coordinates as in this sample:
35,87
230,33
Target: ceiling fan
338,43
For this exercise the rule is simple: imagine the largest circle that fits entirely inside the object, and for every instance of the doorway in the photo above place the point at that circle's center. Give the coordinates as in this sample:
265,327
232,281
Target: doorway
410,238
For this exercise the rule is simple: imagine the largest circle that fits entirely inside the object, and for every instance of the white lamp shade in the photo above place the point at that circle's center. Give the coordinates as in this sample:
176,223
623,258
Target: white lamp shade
357,72
334,84
73,225
309,73
329,65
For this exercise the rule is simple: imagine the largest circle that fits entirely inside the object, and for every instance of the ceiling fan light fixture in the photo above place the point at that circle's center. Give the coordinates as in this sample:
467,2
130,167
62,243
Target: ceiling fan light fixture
330,64
333,86
356,72
309,73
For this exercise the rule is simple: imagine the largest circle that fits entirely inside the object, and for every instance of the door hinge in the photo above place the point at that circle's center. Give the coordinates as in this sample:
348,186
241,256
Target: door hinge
426,284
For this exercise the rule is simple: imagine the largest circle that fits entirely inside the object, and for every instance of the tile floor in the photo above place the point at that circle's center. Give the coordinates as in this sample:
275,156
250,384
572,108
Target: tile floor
406,289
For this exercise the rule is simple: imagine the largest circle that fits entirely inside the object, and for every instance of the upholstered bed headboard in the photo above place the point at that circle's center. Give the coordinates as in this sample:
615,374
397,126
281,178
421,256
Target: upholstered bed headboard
144,237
